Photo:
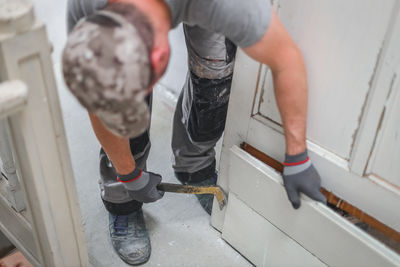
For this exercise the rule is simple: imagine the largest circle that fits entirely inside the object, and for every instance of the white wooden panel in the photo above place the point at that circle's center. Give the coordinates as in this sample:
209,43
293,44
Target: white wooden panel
267,106
18,230
334,240
40,144
14,194
238,118
341,43
335,175
382,85
386,158
260,241
13,96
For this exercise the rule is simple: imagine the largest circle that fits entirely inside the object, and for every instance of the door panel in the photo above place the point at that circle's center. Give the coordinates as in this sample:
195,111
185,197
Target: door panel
352,59
341,43
335,175
260,241
385,160
319,230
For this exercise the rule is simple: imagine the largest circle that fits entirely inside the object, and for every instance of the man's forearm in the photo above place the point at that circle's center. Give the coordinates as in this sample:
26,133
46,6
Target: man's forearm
290,85
277,50
117,148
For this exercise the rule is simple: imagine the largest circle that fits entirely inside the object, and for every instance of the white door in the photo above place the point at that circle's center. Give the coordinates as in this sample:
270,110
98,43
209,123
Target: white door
39,210
351,50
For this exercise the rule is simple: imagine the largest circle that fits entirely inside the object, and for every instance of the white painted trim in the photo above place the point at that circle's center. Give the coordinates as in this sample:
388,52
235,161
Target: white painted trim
383,78
13,97
260,241
314,226
41,151
347,185
238,118
386,127
339,161
13,192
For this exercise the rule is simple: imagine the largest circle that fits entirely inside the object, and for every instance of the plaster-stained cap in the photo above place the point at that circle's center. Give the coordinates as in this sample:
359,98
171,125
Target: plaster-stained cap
109,70
16,15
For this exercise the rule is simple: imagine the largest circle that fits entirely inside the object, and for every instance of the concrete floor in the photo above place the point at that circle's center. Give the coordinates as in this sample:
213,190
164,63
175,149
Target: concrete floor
180,230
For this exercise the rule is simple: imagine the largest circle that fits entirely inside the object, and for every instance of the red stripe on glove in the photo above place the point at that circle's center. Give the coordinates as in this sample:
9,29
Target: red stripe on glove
296,163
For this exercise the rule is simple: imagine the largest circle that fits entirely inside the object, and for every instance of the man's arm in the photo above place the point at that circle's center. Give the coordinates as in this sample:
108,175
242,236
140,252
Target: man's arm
142,184
277,50
117,148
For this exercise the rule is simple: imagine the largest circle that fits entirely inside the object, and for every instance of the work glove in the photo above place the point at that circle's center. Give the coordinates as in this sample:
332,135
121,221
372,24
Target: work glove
299,175
142,185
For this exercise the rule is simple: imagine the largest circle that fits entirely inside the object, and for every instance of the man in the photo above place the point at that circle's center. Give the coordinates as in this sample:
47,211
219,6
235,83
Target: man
115,55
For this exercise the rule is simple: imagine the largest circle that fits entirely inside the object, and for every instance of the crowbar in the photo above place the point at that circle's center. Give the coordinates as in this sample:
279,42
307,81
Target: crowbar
197,190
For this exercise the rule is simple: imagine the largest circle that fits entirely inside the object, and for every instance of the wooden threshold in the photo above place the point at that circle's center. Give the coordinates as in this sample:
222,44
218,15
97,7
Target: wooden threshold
334,200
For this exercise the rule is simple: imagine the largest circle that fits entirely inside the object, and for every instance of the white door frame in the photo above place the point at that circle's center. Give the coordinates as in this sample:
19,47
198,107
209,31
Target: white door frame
39,142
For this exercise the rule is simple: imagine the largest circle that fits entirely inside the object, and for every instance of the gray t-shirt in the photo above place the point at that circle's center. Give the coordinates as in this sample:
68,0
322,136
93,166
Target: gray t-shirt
244,22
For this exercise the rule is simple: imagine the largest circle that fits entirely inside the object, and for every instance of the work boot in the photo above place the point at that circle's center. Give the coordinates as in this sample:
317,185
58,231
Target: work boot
198,179
206,201
130,238
128,232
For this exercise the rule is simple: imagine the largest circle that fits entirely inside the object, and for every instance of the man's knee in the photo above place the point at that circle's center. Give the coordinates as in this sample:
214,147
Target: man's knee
209,107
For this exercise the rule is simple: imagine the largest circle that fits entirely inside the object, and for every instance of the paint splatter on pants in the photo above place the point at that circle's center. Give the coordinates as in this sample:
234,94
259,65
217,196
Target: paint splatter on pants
200,114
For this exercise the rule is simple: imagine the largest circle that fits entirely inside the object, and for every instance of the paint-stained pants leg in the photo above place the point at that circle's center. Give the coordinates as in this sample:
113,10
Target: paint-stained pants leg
200,114
115,197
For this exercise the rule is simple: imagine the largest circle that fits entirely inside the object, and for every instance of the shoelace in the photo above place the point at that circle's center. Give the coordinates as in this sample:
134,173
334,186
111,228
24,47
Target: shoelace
121,224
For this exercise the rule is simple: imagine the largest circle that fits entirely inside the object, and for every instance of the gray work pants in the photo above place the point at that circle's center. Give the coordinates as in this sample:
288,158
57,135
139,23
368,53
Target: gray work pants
200,114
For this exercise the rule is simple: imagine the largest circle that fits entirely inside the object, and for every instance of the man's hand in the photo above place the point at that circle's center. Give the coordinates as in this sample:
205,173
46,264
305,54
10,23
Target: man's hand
142,185
277,50
299,175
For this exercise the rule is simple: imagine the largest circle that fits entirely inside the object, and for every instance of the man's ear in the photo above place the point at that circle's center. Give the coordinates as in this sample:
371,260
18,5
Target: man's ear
158,57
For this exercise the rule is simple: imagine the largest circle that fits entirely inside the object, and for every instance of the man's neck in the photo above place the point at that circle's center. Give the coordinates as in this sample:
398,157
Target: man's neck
158,12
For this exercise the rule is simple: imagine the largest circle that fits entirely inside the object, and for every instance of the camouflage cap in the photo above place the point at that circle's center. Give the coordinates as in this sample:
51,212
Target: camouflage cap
108,69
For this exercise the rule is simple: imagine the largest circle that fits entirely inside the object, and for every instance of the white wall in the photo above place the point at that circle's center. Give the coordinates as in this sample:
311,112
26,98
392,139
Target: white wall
52,13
